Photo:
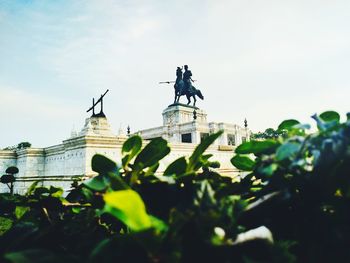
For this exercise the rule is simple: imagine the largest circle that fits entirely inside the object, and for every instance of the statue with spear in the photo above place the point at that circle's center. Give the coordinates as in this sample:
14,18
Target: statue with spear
183,86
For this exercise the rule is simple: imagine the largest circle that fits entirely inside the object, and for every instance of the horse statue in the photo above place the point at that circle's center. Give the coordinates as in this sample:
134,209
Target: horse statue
181,90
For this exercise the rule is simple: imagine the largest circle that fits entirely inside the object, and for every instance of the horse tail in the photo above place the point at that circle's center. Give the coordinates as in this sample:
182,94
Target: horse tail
199,94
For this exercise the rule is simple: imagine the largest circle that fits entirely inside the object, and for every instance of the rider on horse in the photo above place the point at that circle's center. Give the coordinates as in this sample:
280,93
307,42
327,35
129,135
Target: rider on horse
188,80
183,86
178,79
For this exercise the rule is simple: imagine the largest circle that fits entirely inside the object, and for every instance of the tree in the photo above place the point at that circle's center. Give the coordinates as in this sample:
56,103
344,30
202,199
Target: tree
269,133
23,145
9,177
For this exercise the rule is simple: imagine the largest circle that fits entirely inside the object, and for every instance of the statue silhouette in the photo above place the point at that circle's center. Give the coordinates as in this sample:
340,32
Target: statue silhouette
183,86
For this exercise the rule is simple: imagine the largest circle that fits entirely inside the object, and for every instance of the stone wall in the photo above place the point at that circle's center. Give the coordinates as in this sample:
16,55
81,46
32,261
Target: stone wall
59,165
178,121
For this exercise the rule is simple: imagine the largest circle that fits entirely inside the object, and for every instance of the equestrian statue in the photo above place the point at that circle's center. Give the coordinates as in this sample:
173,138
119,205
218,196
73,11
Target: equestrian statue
183,86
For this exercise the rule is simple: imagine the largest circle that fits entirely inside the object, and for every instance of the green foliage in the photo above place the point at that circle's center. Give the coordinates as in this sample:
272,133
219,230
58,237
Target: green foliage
291,204
287,150
102,165
177,167
5,224
268,134
131,147
23,145
152,153
329,116
197,159
128,207
301,189
287,125
243,163
256,147
9,177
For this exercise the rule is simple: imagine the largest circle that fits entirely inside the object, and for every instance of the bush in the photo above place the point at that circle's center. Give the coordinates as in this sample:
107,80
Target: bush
291,206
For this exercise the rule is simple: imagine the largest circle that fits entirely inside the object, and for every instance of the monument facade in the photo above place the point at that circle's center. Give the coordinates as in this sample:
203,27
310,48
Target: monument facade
187,124
184,126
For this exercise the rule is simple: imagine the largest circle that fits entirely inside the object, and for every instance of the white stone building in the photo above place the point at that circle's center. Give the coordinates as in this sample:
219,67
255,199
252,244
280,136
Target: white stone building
60,164
187,124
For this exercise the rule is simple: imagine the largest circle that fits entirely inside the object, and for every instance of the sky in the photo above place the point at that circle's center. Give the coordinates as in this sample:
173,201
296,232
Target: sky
262,60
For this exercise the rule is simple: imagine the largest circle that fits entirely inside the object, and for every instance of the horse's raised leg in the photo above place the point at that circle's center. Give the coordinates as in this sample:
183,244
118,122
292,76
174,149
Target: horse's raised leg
178,97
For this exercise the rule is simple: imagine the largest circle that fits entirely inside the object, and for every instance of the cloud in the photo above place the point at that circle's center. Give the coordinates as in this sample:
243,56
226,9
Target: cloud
93,47
41,120
249,57
25,104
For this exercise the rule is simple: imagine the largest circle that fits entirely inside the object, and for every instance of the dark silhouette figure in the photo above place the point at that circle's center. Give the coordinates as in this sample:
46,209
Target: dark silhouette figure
178,74
183,86
179,85
187,77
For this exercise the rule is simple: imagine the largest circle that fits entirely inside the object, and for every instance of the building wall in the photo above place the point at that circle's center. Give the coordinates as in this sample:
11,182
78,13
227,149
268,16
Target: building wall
7,158
60,168
60,165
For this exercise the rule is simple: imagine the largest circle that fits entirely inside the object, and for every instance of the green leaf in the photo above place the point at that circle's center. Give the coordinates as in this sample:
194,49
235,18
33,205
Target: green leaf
329,116
20,211
205,194
115,180
31,256
131,146
200,149
76,210
152,169
320,123
87,193
287,124
256,146
102,164
177,167
56,191
97,183
128,207
32,187
269,170
158,224
214,164
287,150
304,126
5,224
243,163
41,191
156,150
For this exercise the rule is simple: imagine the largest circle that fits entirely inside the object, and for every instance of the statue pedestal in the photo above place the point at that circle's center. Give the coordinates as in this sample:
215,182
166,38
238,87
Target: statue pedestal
181,113
96,126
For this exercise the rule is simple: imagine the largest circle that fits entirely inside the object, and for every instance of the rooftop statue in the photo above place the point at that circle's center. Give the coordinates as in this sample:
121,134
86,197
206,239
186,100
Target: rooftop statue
183,86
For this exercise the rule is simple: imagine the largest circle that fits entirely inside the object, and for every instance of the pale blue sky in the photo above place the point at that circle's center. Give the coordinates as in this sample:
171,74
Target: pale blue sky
261,60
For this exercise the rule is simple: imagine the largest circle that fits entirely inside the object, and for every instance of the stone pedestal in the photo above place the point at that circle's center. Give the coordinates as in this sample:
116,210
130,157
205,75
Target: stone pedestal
181,113
96,126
